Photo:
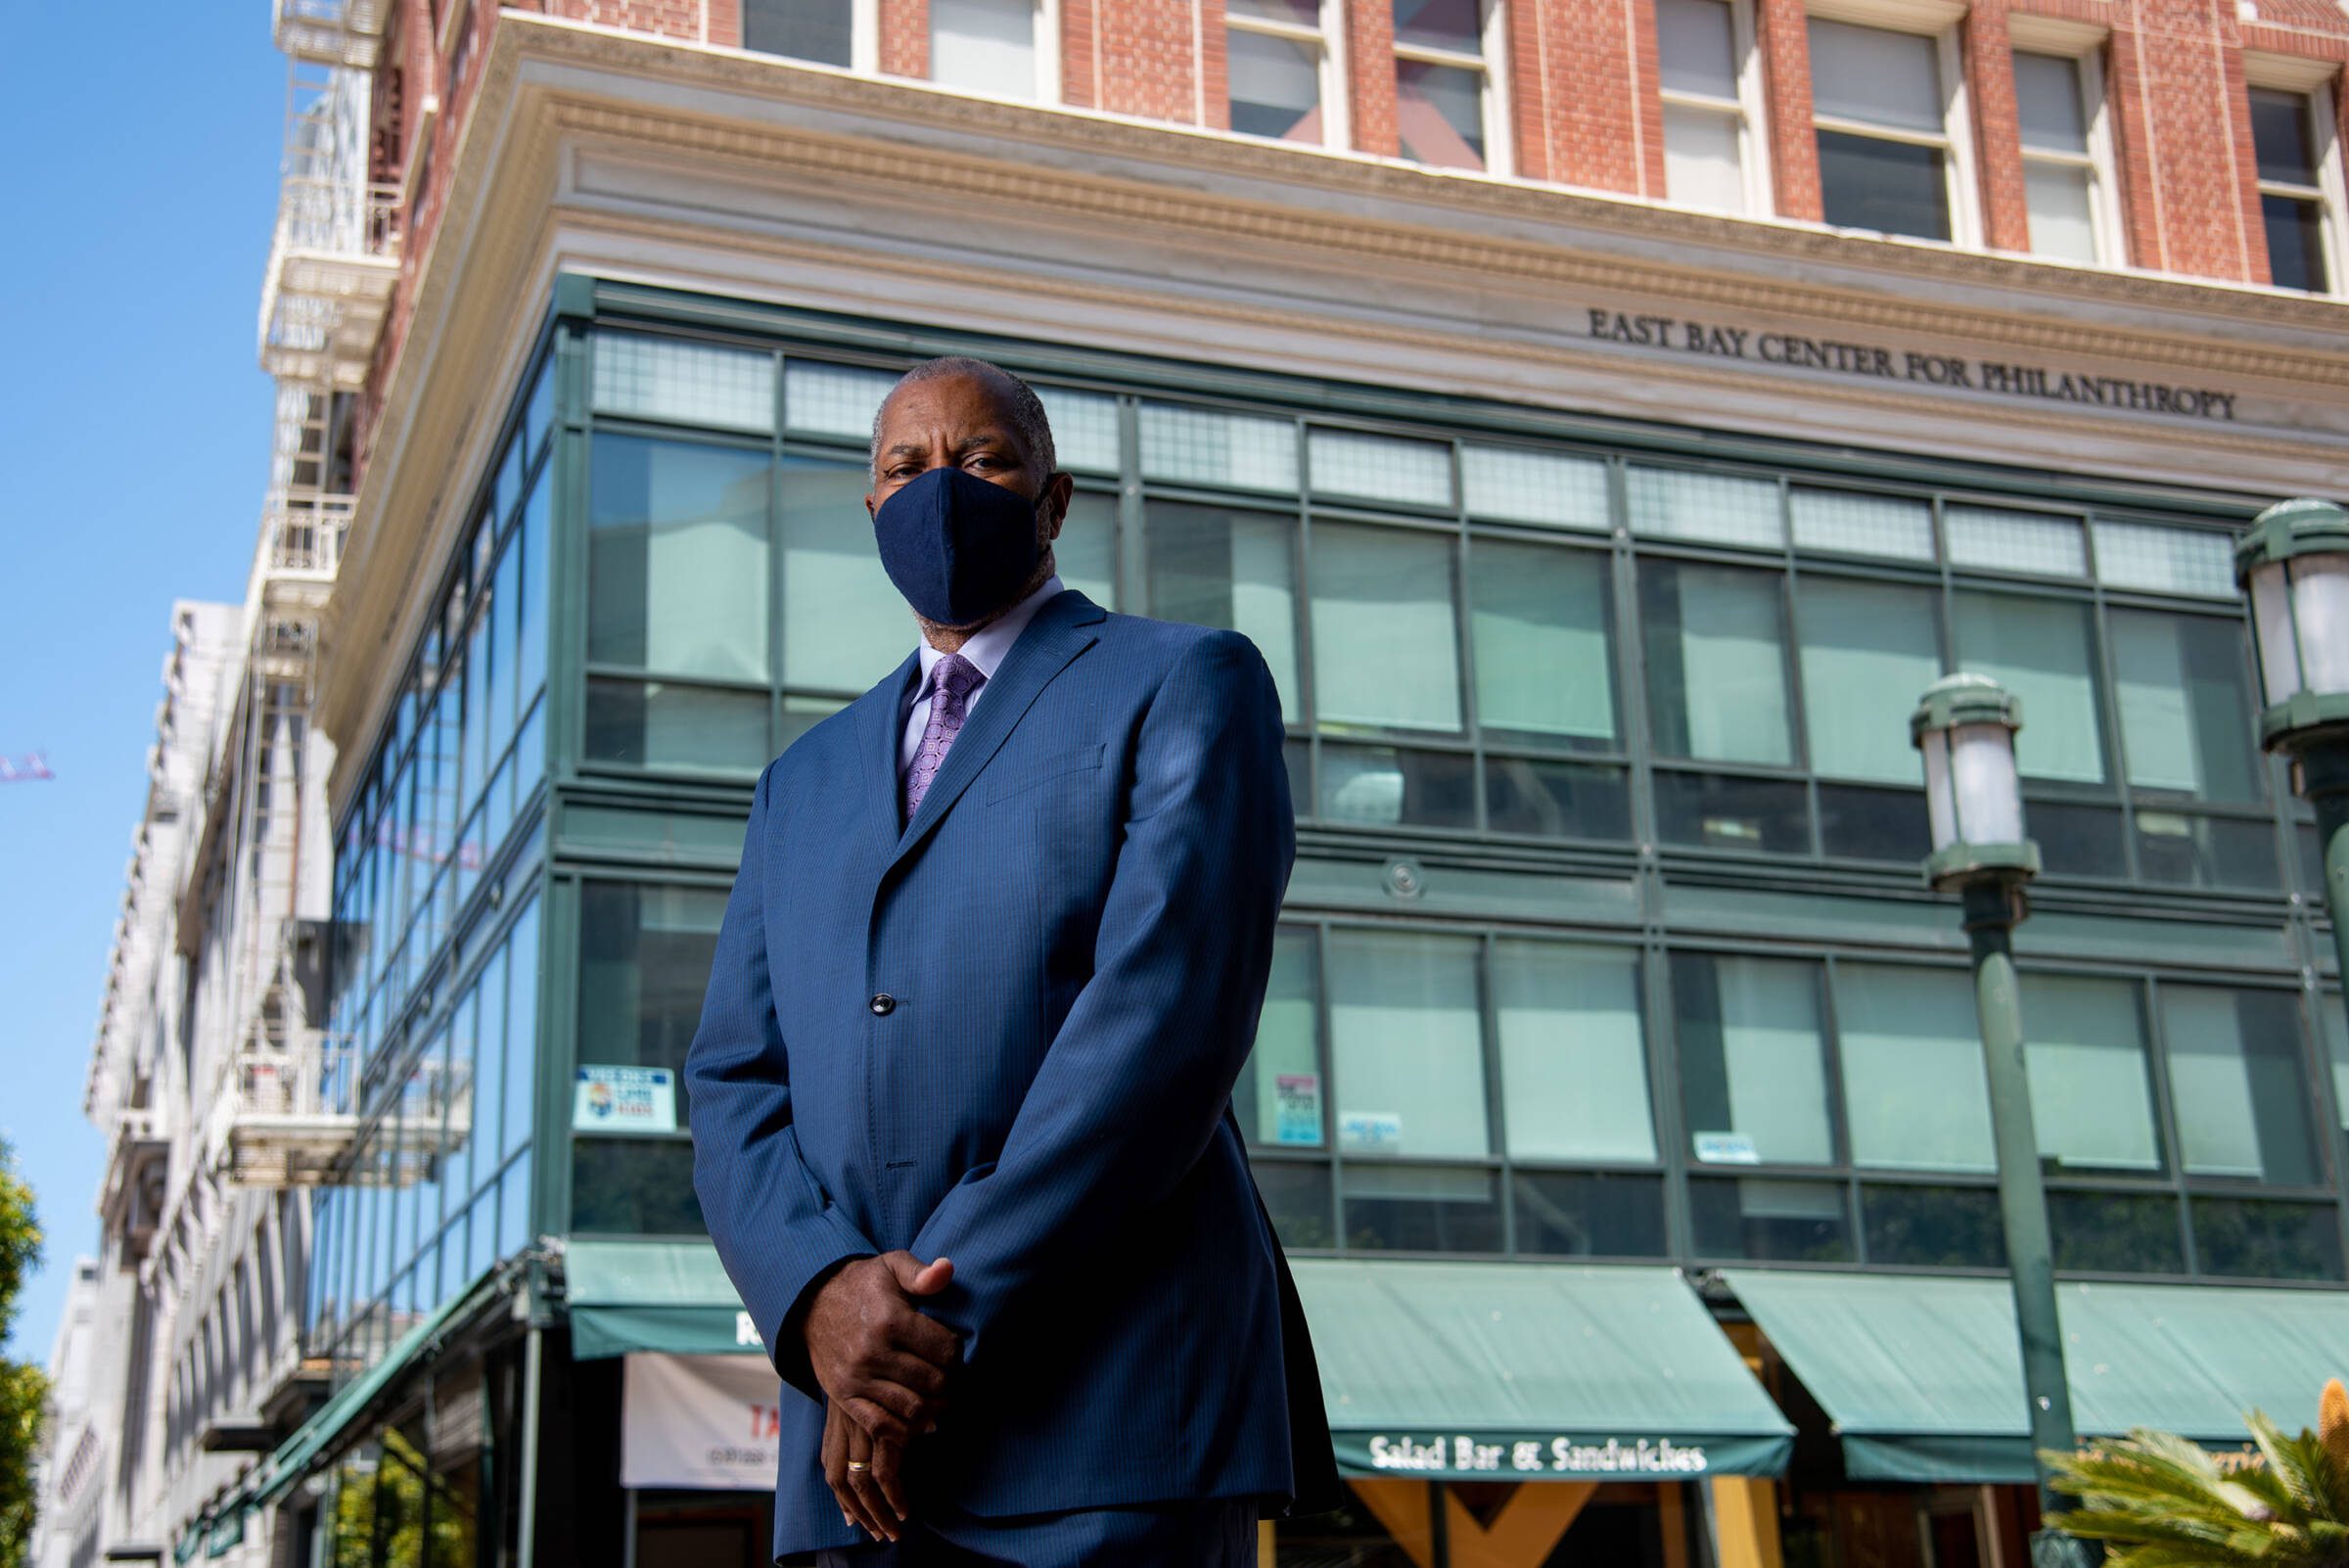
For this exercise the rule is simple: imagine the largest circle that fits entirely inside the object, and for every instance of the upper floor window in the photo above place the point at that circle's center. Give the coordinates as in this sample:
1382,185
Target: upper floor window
2299,189
1446,93
829,32
1711,139
991,46
1887,109
1282,70
2059,101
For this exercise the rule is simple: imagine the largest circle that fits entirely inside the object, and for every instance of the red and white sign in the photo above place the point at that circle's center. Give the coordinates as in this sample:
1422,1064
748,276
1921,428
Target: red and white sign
705,1422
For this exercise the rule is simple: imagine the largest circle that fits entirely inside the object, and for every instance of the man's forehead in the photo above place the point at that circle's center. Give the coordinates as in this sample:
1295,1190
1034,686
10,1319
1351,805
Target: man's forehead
966,401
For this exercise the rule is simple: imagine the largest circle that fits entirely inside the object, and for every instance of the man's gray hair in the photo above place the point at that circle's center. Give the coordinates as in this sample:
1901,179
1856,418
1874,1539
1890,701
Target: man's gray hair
1027,421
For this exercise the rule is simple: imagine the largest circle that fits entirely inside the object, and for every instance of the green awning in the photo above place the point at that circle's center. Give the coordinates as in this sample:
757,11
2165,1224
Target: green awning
1923,1379
1477,1370
669,1296
293,1459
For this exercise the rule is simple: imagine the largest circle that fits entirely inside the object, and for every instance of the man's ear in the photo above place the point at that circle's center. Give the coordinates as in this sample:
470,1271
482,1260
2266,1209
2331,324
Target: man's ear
1059,488
868,503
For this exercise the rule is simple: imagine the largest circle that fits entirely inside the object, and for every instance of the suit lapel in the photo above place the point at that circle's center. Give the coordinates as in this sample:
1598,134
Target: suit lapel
880,733
1060,631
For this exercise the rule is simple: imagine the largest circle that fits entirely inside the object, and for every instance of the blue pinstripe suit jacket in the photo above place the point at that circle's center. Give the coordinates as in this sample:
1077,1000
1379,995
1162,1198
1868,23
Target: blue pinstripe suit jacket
1076,929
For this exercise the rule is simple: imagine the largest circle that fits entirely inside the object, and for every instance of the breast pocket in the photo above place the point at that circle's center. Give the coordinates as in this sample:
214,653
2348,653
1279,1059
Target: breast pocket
1031,774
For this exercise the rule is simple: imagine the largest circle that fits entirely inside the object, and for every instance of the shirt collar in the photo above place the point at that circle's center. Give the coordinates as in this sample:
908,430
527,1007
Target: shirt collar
986,647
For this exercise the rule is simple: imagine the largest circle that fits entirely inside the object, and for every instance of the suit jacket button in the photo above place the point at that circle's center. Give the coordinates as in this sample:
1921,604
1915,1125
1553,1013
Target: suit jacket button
883,1004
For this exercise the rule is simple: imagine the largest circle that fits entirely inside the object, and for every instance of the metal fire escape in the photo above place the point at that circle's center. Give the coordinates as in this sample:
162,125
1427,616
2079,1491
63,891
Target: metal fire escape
279,1115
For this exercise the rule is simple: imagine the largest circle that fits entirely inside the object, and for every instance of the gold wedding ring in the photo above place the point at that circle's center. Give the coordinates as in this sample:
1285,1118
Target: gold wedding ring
857,1467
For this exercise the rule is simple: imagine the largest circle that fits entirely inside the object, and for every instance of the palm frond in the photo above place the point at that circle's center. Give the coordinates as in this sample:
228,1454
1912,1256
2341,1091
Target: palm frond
2289,1464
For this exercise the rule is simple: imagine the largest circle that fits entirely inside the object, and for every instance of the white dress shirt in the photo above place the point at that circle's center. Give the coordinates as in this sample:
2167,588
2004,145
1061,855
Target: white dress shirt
985,651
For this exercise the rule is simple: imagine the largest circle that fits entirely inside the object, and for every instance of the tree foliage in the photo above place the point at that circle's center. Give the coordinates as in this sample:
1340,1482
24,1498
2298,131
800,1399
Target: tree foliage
2160,1501
23,1390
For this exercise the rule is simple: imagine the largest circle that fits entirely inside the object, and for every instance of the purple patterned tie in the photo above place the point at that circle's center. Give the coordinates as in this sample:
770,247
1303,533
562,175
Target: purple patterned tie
952,679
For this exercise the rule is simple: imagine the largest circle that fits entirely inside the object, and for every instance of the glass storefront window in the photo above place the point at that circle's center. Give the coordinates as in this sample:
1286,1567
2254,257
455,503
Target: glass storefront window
1556,800
1386,644
2237,1083
522,1031
1542,640
1769,1221
1932,1227
1384,786
677,557
1589,1214
843,625
1868,650
1732,812
1278,1098
2250,1239
2042,651
1222,567
1915,1093
1422,1208
1714,640
2116,1232
645,950
1407,1044
2185,706
634,1187
1087,552
1573,1053
2092,1098
1298,1197
1753,1072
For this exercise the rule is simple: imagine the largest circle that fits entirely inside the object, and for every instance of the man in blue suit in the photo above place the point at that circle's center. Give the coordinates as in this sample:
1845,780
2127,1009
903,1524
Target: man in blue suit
960,1093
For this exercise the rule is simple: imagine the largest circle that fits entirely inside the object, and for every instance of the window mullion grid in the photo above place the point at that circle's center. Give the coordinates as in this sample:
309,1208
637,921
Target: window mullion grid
1662,1038
1293,31
1839,1141
1495,1114
1790,659
1429,55
778,559
2114,744
1472,714
1630,698
1885,133
1300,619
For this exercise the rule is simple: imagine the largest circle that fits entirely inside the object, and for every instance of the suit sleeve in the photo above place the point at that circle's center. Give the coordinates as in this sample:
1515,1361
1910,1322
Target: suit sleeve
777,1231
1142,1068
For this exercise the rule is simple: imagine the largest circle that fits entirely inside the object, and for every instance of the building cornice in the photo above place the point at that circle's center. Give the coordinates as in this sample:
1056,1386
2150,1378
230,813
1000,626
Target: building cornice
554,95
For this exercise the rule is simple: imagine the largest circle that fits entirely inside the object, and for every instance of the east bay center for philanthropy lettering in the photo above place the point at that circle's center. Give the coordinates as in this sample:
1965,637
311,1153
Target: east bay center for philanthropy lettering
1962,373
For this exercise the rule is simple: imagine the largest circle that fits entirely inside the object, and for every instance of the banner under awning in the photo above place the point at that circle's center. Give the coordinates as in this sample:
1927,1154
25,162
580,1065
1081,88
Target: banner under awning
1923,1377
1529,1371
705,1423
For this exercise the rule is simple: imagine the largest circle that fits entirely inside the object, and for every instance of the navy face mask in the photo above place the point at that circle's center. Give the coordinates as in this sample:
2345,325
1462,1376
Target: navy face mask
957,548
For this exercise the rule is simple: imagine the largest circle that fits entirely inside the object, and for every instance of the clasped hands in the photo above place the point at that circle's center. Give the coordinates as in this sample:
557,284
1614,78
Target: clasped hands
882,1364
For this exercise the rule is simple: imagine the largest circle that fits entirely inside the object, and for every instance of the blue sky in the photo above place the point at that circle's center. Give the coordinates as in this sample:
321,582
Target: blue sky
140,183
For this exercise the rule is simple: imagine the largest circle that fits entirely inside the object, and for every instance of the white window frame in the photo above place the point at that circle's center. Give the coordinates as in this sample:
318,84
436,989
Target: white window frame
1750,107
2083,47
1043,24
1491,60
1938,21
2313,81
1328,37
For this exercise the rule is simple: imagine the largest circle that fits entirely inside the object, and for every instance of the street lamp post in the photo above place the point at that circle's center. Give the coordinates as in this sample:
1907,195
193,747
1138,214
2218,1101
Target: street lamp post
2294,564
1965,727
